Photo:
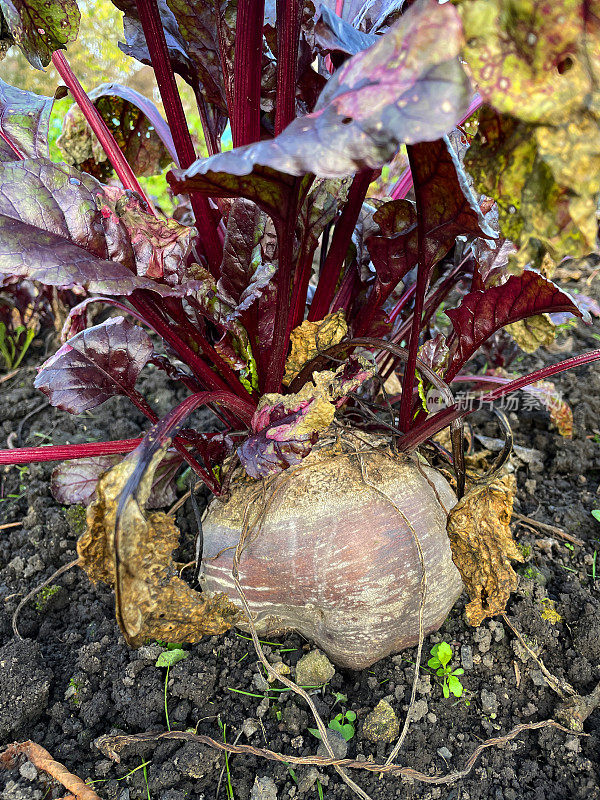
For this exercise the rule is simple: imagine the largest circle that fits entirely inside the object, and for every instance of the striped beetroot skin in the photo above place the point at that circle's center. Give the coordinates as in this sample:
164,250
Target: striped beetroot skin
337,559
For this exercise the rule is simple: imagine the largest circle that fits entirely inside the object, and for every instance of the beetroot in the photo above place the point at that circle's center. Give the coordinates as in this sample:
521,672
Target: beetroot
335,559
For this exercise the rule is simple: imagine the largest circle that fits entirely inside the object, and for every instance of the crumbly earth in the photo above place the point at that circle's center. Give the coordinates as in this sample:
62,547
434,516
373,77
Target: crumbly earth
73,678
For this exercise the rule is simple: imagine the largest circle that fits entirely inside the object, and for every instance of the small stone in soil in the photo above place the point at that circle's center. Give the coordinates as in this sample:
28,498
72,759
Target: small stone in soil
249,727
264,789
443,752
489,703
537,677
338,744
483,637
420,709
262,707
259,682
28,771
196,760
314,669
381,725
306,779
466,656
497,629
280,668
294,719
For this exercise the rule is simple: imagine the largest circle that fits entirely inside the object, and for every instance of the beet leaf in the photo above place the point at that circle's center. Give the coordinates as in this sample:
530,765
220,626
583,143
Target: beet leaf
98,363
481,313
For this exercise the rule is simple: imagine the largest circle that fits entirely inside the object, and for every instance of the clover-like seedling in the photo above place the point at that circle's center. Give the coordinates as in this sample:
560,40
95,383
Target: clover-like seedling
441,656
342,723
169,658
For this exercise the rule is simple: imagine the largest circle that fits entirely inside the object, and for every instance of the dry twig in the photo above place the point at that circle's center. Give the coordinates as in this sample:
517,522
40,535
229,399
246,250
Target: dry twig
43,761
10,525
549,528
112,745
33,592
574,711
8,376
562,688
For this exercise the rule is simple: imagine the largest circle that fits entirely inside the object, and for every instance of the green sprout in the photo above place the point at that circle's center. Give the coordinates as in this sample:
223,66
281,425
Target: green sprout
342,723
73,691
223,727
340,697
14,344
596,514
168,658
441,656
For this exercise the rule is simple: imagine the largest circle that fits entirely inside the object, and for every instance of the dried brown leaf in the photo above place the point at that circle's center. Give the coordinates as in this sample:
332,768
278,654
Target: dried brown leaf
483,547
310,338
132,552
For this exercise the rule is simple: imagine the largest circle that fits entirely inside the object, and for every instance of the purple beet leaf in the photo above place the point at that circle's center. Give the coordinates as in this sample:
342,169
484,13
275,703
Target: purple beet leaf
245,227
39,27
56,227
24,118
135,122
445,199
98,363
74,482
399,90
483,312
339,39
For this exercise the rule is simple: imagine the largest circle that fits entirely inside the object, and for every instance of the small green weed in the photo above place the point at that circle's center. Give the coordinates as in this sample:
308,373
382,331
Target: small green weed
14,344
441,656
342,723
168,658
596,514
223,727
145,773
73,691
76,519
23,473
143,766
44,596
339,698
525,550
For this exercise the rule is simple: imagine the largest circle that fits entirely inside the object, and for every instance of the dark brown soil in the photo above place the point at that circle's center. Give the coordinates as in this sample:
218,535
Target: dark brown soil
73,678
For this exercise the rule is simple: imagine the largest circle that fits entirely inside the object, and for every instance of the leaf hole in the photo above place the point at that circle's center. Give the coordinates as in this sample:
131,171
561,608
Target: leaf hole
346,120
565,65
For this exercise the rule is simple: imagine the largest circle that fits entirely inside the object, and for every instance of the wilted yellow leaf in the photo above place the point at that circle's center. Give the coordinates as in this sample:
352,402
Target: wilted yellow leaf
560,411
533,332
537,149
483,547
133,554
393,385
310,338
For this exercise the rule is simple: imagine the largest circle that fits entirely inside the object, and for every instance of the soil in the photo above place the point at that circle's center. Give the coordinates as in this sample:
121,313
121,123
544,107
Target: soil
73,679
